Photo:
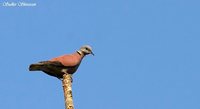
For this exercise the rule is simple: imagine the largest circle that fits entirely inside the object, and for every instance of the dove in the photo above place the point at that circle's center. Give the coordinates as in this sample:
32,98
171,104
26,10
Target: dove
65,64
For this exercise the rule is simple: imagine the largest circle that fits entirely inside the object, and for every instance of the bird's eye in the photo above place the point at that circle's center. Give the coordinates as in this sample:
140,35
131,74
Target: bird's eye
87,49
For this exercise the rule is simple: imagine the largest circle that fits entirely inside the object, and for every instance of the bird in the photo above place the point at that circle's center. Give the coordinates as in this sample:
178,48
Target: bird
64,64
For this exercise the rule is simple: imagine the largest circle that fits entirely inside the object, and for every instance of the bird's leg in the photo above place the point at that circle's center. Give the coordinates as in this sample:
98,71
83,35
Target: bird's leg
71,79
65,72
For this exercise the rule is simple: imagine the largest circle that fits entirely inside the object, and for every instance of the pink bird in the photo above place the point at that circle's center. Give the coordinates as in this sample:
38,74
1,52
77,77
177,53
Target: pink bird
58,66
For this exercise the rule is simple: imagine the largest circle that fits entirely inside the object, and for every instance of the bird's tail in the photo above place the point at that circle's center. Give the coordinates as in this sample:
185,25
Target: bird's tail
36,67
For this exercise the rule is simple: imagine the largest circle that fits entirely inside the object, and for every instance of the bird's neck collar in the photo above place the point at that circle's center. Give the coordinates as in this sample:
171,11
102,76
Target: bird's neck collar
80,53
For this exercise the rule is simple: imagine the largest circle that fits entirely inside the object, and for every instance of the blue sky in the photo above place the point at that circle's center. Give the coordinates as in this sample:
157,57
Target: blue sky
146,53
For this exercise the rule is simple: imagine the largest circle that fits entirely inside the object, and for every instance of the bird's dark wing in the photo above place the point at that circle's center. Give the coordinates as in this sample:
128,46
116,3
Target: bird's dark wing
52,68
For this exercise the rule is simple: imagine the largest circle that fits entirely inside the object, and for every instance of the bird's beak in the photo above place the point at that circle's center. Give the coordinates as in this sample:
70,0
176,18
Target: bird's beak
92,53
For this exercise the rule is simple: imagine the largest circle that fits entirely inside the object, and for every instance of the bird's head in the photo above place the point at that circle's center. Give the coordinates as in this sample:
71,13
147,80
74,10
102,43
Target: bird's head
86,49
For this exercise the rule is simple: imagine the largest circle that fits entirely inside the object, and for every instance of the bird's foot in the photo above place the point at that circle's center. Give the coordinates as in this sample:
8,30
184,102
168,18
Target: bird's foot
65,72
71,79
